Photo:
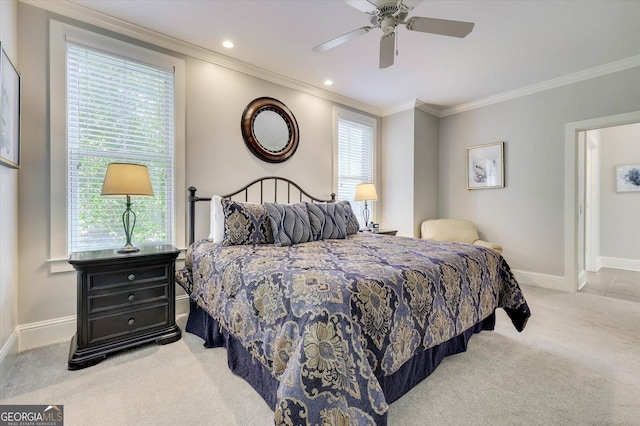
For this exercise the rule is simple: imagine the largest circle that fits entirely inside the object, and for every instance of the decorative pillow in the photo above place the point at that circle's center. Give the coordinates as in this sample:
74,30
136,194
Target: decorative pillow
327,221
245,223
290,223
216,225
352,224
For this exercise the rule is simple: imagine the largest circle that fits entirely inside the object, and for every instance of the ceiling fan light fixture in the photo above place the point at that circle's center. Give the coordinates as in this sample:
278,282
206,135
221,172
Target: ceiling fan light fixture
388,25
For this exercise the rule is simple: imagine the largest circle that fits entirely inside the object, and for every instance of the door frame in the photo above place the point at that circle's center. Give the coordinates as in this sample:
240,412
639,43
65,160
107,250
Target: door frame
592,201
571,207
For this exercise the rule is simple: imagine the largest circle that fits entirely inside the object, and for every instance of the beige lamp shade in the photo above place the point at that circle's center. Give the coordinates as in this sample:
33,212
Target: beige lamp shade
366,192
127,179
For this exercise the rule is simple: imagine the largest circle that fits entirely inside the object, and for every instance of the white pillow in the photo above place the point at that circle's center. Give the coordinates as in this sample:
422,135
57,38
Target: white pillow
216,227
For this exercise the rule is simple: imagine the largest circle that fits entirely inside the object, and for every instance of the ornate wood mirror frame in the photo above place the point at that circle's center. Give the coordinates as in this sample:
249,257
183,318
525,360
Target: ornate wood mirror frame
270,130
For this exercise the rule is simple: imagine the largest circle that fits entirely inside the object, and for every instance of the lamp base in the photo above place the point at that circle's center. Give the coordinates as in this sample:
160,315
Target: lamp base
128,249
128,228
365,215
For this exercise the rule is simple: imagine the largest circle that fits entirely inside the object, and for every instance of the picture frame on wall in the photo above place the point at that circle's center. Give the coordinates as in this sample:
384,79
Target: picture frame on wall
628,178
485,166
9,112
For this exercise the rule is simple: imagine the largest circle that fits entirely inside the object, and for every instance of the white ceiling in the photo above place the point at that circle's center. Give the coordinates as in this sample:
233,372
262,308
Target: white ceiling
513,44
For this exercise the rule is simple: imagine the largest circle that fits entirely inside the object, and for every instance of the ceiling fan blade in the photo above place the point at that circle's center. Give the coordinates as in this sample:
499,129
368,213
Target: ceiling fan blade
387,49
342,39
440,26
362,5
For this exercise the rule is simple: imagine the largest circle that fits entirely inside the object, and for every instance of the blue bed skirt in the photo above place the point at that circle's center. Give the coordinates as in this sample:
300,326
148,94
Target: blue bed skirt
393,386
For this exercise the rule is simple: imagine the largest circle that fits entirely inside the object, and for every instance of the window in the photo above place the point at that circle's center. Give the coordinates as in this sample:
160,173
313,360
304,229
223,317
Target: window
112,101
118,110
355,157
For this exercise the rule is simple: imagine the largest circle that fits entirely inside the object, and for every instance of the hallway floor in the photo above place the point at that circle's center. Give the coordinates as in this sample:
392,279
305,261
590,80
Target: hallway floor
616,283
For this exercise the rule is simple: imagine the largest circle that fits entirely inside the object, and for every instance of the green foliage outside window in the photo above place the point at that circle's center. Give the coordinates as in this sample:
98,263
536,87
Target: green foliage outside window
118,111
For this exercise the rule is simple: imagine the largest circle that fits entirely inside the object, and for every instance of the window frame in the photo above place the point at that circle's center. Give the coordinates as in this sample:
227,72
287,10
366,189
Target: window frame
59,33
367,120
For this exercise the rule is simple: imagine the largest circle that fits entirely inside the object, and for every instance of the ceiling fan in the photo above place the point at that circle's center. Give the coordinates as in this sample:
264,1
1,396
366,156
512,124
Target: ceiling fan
386,15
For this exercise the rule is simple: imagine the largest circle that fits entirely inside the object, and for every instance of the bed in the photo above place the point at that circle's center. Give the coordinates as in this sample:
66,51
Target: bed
332,330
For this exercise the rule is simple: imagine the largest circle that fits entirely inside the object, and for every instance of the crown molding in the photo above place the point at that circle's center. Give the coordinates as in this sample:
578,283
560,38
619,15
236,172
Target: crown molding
86,15
81,13
428,108
416,104
398,108
598,71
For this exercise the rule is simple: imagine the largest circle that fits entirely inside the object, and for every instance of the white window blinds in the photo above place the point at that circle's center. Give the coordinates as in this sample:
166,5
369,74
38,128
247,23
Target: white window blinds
355,160
118,110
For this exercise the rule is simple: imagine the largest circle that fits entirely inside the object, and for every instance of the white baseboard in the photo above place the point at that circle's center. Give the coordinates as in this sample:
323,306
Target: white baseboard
48,332
8,353
182,304
43,333
536,279
619,263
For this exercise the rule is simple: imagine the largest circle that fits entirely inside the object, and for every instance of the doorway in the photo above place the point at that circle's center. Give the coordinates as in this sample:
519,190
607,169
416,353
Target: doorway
608,261
574,211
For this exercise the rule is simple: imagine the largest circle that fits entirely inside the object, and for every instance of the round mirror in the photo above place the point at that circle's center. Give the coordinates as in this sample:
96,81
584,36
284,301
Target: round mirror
270,130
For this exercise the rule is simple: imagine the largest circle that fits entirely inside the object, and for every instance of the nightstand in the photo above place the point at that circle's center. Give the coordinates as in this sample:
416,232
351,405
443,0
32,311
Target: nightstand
124,300
387,231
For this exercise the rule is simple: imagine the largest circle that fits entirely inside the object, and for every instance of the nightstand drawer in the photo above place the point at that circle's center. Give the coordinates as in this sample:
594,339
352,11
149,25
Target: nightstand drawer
111,326
130,297
127,277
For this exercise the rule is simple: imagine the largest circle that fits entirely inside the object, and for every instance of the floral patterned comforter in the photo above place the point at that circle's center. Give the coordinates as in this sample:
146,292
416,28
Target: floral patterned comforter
326,317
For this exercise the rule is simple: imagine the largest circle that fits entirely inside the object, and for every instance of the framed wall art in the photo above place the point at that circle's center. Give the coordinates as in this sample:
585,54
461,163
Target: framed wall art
628,178
9,112
485,166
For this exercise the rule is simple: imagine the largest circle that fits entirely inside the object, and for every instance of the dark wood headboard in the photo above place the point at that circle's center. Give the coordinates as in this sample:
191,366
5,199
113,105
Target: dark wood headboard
302,195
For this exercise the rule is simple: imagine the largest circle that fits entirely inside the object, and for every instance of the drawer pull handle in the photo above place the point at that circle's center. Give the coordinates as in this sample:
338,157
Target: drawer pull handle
131,277
131,321
131,297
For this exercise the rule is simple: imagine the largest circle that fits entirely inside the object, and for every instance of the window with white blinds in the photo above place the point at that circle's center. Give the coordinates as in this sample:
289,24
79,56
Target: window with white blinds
118,110
356,147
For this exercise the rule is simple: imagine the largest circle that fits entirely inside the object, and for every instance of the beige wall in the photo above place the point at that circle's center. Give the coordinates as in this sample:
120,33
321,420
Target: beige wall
410,171
43,296
8,212
426,169
396,196
217,160
421,162
527,216
619,226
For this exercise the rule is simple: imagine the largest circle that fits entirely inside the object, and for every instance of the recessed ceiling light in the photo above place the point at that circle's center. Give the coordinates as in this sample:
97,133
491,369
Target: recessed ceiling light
328,82
227,44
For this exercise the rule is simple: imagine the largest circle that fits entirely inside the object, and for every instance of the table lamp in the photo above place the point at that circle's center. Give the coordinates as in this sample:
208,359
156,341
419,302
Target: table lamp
366,192
127,179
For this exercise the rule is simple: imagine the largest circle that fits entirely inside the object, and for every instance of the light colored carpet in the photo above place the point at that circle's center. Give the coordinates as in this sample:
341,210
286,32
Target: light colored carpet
577,362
